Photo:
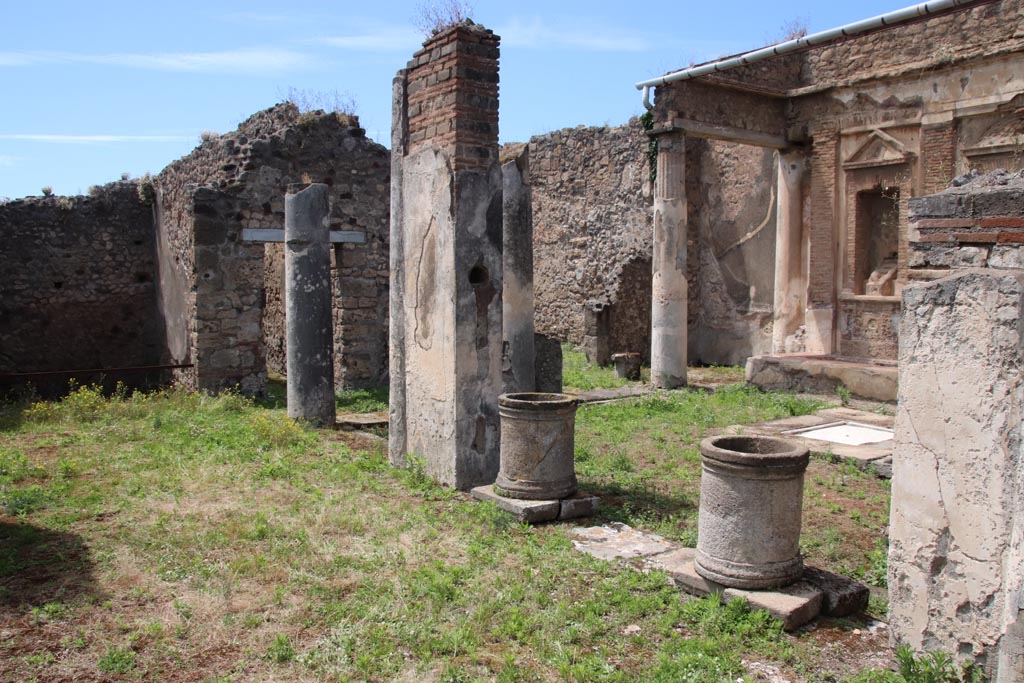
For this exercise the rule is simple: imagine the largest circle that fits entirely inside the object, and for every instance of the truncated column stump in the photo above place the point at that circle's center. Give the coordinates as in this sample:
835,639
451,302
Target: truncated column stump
751,502
537,476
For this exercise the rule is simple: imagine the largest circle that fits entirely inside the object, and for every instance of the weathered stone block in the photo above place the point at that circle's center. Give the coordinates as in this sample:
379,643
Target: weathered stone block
956,561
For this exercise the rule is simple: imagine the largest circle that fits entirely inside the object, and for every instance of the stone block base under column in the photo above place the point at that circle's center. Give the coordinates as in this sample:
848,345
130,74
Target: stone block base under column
533,511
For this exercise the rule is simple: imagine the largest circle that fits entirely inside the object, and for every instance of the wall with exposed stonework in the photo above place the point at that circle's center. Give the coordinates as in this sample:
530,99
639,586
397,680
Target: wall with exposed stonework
255,163
592,240
592,222
79,289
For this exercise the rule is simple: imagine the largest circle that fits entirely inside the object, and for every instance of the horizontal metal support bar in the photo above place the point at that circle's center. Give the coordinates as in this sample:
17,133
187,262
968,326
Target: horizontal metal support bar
93,371
277,235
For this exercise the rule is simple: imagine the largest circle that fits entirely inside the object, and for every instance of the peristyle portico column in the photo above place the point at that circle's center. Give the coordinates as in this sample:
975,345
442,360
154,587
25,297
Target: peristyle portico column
668,264
790,287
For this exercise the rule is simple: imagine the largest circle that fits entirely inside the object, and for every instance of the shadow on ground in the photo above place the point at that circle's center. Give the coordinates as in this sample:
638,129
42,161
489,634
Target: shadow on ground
40,566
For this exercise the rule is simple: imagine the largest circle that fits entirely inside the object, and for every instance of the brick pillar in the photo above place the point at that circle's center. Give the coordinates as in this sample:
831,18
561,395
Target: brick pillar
818,317
446,275
668,263
938,144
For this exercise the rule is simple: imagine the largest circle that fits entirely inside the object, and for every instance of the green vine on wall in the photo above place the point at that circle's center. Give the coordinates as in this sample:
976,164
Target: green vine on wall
647,121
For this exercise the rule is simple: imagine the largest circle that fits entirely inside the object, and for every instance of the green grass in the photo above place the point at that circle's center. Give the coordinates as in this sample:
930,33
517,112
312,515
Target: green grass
580,375
641,454
177,531
362,400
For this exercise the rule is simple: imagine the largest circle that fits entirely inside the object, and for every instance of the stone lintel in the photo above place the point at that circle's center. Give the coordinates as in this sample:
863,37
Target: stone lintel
699,129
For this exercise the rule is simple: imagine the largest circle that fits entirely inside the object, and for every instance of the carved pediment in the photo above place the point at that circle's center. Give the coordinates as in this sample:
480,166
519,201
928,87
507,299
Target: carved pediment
1005,135
878,149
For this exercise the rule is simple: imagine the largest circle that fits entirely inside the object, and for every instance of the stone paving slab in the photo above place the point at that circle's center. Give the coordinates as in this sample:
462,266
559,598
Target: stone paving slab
534,511
618,541
350,421
818,592
793,605
843,596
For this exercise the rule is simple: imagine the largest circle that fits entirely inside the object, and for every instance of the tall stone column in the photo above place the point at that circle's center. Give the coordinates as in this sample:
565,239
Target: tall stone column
517,292
397,443
668,263
309,319
447,259
790,287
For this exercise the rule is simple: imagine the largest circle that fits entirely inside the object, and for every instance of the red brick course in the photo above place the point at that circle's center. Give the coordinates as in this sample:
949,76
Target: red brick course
453,95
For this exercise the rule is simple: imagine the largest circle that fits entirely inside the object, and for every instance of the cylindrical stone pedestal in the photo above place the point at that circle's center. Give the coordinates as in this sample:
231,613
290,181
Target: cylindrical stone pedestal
309,320
627,365
537,440
751,499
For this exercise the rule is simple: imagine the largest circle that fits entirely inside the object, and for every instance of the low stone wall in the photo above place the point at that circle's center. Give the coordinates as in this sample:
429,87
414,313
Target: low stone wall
79,289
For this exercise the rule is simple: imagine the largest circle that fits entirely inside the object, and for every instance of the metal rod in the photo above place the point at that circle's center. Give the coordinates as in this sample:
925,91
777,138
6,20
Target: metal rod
96,371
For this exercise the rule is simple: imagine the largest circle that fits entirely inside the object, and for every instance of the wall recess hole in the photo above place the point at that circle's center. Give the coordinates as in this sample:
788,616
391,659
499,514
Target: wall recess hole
478,275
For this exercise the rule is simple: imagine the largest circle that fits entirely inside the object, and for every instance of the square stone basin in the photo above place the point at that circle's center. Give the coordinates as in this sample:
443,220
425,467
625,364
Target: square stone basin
845,432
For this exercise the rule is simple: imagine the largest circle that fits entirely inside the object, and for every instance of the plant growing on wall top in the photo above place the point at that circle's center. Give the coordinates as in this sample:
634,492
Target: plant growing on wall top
434,16
647,121
328,101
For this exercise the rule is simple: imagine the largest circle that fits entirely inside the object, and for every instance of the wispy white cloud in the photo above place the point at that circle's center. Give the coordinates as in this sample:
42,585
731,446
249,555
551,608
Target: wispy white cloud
376,39
88,139
261,18
535,33
241,61
7,160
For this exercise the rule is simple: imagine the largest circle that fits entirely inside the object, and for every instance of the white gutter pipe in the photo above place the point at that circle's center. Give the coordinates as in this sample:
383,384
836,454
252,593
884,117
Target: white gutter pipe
856,28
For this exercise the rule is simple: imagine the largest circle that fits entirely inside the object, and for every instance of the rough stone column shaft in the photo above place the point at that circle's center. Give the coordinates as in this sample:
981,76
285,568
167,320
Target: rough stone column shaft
790,288
668,263
517,288
308,314
397,446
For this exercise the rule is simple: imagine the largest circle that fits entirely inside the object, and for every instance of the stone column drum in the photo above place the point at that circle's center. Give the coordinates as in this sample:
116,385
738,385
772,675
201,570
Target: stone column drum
751,496
309,320
537,442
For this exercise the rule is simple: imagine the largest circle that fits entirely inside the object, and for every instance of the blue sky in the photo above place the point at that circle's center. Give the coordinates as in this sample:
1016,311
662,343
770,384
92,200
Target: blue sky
96,89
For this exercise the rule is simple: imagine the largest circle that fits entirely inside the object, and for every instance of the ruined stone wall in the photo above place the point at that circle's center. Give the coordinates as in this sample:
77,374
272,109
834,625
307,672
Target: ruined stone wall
592,240
79,289
957,526
268,151
983,31
592,223
979,223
